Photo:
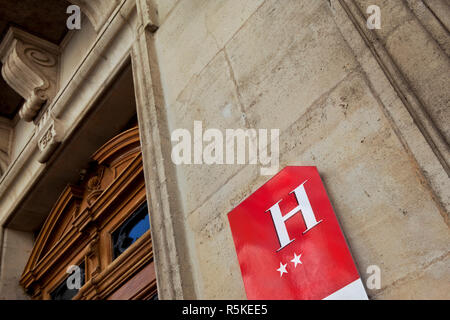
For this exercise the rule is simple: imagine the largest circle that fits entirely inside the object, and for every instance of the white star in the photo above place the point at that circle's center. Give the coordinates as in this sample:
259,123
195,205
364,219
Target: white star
296,260
282,269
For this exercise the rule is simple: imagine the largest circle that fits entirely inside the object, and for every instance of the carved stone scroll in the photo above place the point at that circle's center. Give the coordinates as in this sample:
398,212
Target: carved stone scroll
30,67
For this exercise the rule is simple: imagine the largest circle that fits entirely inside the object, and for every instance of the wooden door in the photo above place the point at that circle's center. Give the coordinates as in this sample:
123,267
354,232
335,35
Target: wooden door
100,229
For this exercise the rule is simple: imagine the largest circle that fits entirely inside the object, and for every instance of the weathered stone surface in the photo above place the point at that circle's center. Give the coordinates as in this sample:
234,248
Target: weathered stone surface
424,64
193,34
162,9
305,59
430,283
219,275
426,67
16,248
434,16
289,67
441,9
393,13
409,118
74,49
211,98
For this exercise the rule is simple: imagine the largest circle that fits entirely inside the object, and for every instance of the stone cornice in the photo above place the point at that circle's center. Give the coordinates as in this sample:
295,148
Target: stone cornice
97,11
25,170
30,67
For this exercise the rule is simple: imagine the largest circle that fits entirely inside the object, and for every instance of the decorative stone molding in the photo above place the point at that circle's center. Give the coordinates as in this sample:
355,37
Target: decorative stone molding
49,139
434,17
97,11
148,17
4,162
30,67
173,269
6,135
414,125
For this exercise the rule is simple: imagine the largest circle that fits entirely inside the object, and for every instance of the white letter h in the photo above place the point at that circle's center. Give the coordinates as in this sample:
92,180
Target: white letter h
280,221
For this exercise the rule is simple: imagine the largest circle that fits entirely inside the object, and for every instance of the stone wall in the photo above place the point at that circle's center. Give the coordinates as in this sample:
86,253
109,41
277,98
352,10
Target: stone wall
370,109
15,250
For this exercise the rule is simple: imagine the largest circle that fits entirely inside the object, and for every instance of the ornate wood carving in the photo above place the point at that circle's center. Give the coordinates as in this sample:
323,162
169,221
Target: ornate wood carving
94,186
93,257
52,236
79,229
30,67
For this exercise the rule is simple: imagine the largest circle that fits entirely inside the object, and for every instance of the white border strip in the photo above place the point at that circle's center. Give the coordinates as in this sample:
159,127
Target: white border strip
352,291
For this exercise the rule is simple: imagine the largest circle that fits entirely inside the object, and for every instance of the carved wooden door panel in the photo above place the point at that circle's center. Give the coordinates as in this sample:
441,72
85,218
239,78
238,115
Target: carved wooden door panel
100,231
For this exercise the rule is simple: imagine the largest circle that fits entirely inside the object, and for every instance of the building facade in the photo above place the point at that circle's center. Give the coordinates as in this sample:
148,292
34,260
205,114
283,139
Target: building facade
87,117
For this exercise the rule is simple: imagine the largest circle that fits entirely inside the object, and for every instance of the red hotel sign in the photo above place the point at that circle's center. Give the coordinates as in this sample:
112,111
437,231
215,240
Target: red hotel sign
289,243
